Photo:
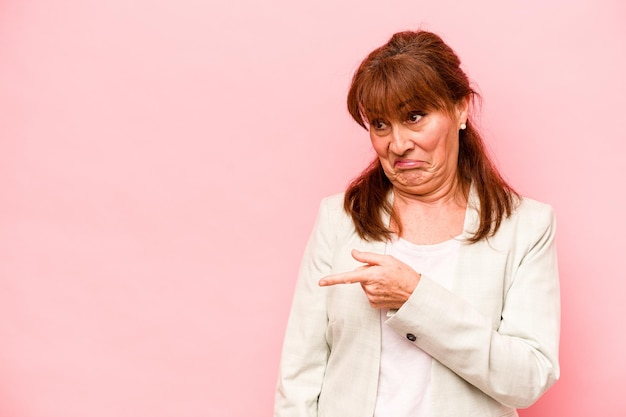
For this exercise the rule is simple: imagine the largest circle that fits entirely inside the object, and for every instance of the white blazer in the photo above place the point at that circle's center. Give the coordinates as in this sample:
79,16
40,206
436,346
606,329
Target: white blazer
494,337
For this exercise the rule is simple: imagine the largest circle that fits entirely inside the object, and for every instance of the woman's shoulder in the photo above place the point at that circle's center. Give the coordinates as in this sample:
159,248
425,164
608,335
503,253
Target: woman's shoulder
529,221
332,209
333,201
531,215
533,208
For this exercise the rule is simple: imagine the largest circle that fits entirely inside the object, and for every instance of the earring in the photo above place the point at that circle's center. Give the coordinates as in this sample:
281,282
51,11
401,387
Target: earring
463,126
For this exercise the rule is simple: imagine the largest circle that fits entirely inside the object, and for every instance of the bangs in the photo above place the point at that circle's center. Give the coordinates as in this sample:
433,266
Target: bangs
395,87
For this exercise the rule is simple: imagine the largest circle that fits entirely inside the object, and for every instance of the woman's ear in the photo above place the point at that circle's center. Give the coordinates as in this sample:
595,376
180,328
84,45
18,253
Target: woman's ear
462,109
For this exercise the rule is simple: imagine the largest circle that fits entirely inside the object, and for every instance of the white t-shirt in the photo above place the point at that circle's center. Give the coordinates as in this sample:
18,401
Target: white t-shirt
404,380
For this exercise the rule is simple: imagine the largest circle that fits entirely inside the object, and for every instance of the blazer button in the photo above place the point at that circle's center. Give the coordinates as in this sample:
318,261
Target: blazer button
411,337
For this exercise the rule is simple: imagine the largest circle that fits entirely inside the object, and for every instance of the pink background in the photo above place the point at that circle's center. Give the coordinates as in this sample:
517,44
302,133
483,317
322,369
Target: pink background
161,164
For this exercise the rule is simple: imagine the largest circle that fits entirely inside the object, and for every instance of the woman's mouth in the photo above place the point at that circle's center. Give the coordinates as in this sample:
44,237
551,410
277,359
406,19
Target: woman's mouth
408,163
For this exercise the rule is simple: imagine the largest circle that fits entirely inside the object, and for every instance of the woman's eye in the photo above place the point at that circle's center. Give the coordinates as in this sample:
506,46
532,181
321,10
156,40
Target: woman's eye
414,117
379,125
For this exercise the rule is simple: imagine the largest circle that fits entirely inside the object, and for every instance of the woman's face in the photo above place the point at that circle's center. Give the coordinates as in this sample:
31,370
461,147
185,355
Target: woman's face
419,154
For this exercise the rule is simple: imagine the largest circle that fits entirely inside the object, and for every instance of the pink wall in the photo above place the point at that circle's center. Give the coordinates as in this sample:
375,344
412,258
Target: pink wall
161,163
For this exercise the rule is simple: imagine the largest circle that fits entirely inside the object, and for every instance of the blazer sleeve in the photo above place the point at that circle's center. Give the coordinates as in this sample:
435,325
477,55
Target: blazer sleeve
305,350
512,358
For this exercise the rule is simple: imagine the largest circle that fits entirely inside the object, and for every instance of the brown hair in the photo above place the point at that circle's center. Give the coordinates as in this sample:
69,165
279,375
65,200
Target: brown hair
417,70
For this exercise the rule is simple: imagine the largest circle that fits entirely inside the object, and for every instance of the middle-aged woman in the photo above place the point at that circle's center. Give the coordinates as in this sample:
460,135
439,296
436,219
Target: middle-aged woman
429,288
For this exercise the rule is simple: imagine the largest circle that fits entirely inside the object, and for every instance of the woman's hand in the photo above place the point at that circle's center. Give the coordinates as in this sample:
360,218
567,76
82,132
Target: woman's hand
386,281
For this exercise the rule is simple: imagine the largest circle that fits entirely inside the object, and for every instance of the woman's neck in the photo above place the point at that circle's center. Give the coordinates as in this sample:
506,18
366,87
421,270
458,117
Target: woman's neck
449,194
433,218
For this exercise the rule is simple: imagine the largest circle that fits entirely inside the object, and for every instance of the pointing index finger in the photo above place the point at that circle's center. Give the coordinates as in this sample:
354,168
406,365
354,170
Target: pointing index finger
343,278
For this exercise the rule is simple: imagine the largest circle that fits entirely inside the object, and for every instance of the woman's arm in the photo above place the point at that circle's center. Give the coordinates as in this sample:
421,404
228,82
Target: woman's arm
512,358
305,351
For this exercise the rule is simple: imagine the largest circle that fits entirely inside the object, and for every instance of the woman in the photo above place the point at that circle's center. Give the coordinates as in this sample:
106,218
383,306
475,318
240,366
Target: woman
429,288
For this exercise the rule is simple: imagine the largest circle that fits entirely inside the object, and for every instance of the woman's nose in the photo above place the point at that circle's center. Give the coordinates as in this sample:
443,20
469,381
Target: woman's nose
400,140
